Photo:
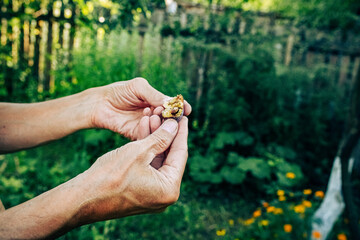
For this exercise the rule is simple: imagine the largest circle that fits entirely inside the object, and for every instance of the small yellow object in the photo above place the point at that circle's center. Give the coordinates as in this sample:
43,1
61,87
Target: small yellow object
278,211
299,209
282,198
280,192
316,234
341,236
288,228
257,213
307,191
174,108
319,194
221,232
270,209
231,222
290,175
264,222
249,221
307,204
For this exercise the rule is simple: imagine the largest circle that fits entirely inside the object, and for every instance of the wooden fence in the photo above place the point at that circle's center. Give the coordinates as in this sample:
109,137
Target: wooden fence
34,40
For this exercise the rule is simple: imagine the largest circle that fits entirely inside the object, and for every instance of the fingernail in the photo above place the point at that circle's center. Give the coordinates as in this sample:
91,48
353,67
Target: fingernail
170,125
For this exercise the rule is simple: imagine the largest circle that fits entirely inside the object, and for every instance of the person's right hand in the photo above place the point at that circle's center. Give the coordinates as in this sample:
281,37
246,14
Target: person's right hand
123,182
121,105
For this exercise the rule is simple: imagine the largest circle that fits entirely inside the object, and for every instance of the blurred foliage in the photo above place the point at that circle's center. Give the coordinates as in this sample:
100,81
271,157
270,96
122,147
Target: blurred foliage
328,15
257,127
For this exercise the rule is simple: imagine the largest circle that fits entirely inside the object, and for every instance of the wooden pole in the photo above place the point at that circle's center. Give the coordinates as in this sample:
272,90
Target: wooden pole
71,39
289,48
37,51
345,62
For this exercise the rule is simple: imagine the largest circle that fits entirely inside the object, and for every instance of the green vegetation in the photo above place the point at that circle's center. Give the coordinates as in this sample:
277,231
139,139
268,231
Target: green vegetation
260,132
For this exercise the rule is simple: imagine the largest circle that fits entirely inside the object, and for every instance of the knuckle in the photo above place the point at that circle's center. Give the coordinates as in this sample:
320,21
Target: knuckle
159,143
140,80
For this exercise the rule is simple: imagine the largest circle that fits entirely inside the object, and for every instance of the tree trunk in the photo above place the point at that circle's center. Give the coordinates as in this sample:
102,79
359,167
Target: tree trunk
339,193
37,51
61,25
71,40
332,206
9,84
48,57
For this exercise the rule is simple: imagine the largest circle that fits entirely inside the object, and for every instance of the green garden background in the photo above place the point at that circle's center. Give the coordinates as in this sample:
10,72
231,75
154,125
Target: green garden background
272,85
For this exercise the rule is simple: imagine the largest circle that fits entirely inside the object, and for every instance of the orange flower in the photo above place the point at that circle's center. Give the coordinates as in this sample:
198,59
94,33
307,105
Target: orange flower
299,209
265,204
278,211
307,191
287,228
290,175
264,222
307,204
316,234
282,198
341,236
319,194
257,213
270,209
221,232
249,221
280,192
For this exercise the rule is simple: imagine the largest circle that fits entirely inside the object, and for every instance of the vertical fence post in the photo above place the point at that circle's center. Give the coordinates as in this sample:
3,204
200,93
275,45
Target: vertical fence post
289,48
344,67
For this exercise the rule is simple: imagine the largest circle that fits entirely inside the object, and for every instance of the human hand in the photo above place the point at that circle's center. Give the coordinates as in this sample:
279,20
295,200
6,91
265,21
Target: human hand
123,182
122,105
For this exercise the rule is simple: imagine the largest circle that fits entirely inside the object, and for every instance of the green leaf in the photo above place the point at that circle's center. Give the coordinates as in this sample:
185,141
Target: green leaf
286,167
202,169
233,175
224,138
258,167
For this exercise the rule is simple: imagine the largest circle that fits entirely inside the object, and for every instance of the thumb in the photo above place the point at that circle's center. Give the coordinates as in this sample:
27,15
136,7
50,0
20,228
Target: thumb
161,139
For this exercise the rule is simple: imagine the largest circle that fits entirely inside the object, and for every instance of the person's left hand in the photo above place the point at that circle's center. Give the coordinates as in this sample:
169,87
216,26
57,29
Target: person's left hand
122,106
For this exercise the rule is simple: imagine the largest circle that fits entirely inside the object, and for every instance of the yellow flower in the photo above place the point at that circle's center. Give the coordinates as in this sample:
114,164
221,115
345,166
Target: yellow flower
257,213
341,236
307,204
265,204
287,228
278,211
270,209
249,221
316,234
299,209
231,222
280,192
290,175
221,232
307,191
282,198
319,194
264,222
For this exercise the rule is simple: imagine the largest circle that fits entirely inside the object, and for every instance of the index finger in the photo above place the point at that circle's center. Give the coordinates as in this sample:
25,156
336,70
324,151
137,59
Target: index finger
178,153
187,108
